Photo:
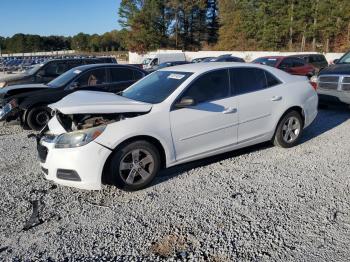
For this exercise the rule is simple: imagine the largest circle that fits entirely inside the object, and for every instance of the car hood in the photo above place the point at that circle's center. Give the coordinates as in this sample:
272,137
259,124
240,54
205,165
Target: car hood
13,77
92,102
27,86
336,69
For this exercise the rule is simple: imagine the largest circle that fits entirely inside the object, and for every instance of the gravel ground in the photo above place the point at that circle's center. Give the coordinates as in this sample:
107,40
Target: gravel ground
263,203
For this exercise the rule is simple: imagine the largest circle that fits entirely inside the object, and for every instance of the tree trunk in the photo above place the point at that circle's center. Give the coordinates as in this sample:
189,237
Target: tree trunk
303,40
315,25
291,27
348,37
327,45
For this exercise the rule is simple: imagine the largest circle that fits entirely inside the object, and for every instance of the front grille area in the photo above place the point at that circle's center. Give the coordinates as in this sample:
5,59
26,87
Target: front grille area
345,87
329,79
42,152
330,86
346,80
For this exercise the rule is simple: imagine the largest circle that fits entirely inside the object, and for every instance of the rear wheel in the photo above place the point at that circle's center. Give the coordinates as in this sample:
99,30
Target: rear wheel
134,165
289,130
38,117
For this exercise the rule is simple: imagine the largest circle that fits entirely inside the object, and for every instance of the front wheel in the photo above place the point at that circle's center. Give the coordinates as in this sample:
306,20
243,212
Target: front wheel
134,165
38,117
289,130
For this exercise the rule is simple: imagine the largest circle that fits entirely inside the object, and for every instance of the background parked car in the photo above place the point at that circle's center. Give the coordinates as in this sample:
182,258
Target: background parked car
31,107
167,64
200,59
292,65
44,73
319,61
226,58
333,82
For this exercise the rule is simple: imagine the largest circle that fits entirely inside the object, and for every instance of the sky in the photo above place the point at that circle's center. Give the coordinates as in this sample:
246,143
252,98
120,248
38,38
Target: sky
58,17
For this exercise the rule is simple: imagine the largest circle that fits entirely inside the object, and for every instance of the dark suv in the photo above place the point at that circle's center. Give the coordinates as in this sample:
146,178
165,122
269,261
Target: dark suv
44,73
31,108
317,60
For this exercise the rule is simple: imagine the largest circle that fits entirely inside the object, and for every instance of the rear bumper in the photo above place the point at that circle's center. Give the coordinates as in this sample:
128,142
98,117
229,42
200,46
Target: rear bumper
79,167
310,109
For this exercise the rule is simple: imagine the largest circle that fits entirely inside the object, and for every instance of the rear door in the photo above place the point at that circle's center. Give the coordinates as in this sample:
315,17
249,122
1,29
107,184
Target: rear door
211,123
257,94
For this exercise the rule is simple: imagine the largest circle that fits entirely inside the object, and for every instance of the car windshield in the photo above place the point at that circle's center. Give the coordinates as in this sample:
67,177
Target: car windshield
266,61
147,61
156,87
33,69
65,78
345,59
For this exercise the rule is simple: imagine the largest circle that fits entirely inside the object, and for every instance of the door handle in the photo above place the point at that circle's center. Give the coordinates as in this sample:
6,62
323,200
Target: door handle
276,98
229,110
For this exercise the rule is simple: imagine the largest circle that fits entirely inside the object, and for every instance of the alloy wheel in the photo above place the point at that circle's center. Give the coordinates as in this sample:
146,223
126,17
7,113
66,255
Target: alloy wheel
291,129
136,166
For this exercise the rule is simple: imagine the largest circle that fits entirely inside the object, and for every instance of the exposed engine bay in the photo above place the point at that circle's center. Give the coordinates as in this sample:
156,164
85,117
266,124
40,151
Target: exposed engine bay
84,121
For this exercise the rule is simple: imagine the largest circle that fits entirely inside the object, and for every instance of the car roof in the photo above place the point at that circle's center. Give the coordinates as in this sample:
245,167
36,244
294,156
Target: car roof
204,67
89,66
272,56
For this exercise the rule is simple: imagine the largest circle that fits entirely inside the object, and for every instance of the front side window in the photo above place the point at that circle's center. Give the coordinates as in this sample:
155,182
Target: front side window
286,63
210,86
51,69
266,61
64,79
156,87
92,78
246,80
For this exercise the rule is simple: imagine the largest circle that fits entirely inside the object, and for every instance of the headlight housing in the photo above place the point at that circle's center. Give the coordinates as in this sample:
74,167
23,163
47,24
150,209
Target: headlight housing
78,138
2,84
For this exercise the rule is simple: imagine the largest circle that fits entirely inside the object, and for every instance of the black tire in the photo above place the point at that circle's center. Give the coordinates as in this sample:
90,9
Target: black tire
38,117
122,155
281,133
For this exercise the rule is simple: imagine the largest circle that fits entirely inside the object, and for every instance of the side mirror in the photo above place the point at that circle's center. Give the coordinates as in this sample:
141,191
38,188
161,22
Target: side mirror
185,102
74,85
335,61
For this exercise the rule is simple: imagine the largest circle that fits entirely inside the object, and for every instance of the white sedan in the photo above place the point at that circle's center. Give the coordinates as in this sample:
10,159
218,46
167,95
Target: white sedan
172,116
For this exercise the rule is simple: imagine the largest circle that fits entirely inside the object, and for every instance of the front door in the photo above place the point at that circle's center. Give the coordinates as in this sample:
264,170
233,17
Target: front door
211,123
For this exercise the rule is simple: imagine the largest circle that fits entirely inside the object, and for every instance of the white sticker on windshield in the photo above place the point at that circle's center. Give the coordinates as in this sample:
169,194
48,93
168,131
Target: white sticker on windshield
272,59
77,72
176,76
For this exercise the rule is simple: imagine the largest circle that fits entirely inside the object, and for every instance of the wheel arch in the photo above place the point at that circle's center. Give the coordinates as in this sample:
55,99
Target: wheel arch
150,139
299,109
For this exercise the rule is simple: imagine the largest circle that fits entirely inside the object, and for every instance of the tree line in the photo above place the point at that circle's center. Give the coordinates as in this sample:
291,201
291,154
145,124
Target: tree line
294,25
286,25
23,43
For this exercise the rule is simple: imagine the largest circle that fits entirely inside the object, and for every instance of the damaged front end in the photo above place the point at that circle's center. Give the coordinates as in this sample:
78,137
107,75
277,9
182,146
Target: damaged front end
75,122
74,130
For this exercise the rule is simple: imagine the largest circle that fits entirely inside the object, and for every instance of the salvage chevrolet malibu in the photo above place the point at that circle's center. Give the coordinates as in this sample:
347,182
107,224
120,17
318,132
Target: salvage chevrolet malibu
174,115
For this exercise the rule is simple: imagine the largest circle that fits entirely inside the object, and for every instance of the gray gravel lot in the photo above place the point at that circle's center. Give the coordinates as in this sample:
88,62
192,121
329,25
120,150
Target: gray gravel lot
263,203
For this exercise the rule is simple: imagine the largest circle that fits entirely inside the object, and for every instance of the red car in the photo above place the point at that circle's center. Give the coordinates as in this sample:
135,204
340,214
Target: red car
292,65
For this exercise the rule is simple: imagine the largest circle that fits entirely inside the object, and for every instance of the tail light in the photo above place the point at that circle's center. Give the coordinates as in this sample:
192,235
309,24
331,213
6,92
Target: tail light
313,82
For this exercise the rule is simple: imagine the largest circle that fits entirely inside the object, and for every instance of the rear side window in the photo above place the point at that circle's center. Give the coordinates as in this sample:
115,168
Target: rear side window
298,62
93,77
138,75
210,86
271,80
246,80
121,74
